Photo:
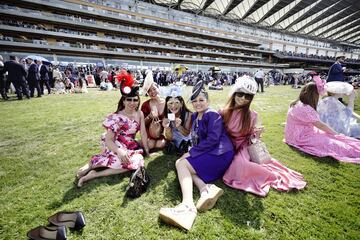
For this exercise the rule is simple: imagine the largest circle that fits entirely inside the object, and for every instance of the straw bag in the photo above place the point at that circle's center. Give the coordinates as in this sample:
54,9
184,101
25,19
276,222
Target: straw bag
155,129
258,151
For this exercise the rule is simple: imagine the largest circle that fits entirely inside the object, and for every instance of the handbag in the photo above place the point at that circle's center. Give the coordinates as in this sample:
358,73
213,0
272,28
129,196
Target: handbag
258,151
155,129
139,181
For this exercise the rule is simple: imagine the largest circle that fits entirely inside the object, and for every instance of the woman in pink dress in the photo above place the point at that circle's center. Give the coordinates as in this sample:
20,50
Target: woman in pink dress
305,131
120,151
241,123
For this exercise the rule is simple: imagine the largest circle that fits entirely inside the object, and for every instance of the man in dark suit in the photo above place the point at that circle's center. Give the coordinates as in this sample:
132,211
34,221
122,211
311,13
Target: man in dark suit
44,78
17,75
3,89
33,78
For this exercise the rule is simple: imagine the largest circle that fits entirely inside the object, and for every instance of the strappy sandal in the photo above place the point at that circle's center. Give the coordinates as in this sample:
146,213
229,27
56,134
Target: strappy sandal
73,220
47,233
181,216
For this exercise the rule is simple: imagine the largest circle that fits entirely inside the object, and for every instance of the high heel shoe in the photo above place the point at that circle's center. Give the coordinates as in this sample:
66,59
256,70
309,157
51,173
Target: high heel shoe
73,220
47,233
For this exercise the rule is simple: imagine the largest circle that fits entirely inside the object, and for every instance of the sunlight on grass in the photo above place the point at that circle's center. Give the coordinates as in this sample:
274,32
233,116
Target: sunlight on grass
43,142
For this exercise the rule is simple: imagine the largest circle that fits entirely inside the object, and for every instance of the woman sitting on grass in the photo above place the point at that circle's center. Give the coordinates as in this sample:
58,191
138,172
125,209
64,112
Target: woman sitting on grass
153,110
241,124
121,152
206,161
177,122
341,118
305,131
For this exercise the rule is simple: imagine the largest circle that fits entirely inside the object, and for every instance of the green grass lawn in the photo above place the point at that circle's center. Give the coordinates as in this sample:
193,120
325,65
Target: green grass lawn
45,140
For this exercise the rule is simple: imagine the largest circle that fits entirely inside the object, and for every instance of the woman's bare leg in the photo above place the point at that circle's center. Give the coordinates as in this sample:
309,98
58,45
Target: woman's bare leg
185,172
103,173
160,144
151,143
83,170
198,183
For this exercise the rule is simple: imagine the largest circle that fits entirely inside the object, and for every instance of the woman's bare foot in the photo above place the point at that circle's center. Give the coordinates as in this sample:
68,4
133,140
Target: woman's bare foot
86,178
83,171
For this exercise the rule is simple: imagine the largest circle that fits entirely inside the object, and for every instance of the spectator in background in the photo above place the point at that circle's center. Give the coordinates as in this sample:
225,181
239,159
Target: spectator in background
56,74
336,71
44,78
33,77
3,89
17,75
259,78
69,86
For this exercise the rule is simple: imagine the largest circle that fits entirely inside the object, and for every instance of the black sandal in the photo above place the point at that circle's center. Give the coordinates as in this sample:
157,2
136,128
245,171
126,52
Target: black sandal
47,233
73,220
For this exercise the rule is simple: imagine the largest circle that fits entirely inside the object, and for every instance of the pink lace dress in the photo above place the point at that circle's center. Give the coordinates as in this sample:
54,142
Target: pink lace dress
125,130
252,177
301,133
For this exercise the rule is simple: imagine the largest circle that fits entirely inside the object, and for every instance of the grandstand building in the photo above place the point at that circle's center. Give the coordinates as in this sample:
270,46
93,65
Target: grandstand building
163,33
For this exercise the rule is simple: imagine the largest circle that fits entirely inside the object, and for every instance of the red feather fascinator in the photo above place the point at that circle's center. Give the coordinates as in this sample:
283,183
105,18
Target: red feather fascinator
126,81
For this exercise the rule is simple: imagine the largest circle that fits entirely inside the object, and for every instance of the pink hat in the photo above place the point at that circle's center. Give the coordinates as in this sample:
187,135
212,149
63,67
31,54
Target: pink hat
320,85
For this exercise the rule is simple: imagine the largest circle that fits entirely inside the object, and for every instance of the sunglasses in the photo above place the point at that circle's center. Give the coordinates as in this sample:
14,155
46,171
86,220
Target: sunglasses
246,95
131,99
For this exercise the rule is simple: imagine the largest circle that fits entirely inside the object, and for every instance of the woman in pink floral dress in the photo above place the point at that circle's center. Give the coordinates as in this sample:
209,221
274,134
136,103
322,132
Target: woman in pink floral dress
305,131
120,151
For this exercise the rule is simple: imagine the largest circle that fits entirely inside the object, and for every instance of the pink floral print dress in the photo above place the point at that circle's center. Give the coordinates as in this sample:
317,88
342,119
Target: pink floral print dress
125,130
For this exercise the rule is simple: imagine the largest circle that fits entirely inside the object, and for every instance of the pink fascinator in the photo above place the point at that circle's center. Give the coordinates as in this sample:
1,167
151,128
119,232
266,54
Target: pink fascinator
320,85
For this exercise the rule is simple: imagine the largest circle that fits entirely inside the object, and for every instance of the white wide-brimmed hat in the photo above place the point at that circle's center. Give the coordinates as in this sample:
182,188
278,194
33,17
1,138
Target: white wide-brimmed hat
341,88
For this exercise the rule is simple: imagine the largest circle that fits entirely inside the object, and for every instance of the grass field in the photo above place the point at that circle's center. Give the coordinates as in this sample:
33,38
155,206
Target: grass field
45,140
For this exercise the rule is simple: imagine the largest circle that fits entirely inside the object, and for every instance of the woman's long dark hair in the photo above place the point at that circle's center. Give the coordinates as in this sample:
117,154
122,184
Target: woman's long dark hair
230,106
309,95
184,111
121,105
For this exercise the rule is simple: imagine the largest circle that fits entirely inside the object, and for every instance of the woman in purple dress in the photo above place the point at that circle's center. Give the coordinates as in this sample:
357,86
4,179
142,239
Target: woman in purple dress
207,160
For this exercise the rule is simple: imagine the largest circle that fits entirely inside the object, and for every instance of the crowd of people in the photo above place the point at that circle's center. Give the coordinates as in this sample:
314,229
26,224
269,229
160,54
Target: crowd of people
31,76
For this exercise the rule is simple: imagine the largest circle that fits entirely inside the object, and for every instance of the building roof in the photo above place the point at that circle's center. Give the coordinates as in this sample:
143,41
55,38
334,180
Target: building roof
335,20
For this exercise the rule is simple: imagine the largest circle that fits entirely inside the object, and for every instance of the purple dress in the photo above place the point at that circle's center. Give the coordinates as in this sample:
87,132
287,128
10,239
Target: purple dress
212,150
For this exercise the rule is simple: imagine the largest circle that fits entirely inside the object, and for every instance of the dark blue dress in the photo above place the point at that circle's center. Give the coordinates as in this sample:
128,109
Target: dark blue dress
212,150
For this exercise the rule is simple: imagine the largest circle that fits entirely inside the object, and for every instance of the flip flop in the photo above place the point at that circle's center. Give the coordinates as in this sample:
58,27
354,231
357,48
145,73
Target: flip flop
47,233
73,220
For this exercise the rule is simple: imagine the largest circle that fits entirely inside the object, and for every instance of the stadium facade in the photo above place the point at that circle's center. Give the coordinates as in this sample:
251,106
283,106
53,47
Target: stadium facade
142,34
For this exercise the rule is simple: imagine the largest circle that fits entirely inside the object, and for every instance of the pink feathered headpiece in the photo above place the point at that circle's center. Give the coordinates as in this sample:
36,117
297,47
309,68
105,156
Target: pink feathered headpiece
320,85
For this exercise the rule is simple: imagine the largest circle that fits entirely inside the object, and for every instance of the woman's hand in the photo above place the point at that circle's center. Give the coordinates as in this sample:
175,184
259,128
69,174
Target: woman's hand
166,123
124,157
258,131
177,122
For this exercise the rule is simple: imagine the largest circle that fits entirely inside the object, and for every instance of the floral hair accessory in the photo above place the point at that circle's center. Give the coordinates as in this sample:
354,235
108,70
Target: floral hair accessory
197,89
320,85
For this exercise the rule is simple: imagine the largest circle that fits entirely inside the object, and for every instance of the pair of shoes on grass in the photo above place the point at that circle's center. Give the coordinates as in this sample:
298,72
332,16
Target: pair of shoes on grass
183,215
60,221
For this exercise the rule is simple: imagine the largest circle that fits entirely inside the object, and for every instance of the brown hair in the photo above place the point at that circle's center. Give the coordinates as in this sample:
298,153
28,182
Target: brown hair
246,117
121,105
309,95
